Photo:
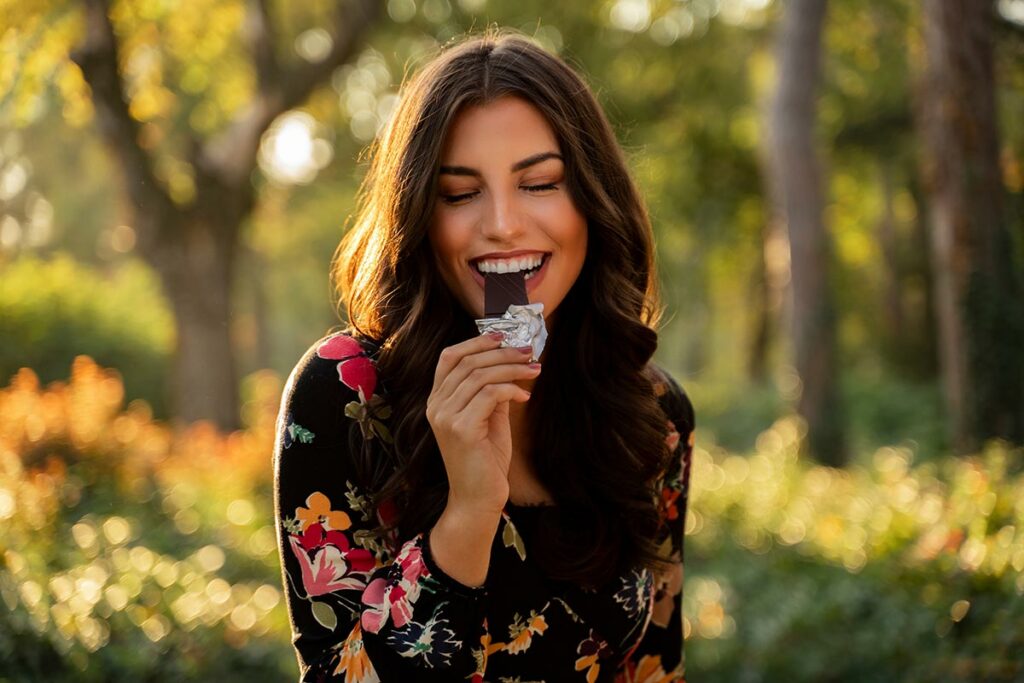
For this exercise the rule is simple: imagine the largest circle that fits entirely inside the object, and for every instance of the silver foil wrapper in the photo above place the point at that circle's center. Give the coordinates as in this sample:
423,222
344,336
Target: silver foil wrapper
521,325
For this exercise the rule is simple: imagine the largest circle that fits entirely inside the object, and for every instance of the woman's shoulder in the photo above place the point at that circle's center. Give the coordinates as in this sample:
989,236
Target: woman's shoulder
336,380
344,361
673,398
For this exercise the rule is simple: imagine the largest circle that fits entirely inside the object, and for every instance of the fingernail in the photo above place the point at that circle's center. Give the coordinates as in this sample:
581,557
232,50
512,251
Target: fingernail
524,349
496,336
534,366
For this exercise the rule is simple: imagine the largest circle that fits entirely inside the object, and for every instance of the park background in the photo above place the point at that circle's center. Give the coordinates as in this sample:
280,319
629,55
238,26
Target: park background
837,192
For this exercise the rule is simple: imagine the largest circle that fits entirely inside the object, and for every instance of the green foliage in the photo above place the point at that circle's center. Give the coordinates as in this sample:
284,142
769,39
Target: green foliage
126,554
886,571
880,410
52,310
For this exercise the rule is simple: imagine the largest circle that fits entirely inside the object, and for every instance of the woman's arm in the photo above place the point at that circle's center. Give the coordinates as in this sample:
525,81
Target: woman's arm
475,382
659,655
361,608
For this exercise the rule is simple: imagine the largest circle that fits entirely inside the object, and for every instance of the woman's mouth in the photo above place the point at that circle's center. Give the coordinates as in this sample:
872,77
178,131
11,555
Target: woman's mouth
528,264
532,265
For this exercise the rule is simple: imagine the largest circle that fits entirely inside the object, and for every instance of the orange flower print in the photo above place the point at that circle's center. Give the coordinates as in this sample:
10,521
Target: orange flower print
354,663
521,633
668,503
649,670
480,656
319,511
591,651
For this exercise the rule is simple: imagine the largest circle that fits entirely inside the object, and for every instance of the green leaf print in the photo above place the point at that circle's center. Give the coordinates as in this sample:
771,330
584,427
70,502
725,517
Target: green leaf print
300,433
325,615
511,538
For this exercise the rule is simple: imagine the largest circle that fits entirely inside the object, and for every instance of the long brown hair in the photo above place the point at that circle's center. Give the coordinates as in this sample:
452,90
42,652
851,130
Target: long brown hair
596,429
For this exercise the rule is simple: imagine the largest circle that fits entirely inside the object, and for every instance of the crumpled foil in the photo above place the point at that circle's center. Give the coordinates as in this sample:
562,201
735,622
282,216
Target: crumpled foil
522,325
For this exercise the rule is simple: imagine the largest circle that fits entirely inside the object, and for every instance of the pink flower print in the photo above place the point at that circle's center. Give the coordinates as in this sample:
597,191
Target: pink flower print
355,370
328,570
316,537
672,439
394,595
384,600
339,346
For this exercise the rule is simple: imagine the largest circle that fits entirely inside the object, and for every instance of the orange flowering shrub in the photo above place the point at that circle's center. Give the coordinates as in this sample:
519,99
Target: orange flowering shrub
128,537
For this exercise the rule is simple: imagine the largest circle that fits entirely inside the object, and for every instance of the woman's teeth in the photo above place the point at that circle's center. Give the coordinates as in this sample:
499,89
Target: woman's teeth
514,265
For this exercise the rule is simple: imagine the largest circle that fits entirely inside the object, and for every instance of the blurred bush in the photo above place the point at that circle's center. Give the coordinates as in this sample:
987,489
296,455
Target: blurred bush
52,310
880,410
131,551
885,571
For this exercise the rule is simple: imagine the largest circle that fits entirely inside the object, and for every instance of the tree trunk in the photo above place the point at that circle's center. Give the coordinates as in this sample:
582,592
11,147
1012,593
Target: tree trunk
797,177
977,286
193,245
893,319
198,283
757,352
925,362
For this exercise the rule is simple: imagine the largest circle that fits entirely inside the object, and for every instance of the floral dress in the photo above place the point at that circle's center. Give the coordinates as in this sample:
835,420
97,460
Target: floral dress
366,608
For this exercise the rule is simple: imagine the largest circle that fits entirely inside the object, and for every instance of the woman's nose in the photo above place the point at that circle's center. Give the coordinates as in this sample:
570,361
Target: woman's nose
505,219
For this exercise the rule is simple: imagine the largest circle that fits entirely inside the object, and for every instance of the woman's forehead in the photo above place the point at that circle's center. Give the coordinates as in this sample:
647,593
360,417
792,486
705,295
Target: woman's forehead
509,127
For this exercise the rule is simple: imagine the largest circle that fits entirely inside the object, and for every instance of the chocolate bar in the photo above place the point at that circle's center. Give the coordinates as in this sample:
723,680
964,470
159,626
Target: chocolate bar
508,310
502,290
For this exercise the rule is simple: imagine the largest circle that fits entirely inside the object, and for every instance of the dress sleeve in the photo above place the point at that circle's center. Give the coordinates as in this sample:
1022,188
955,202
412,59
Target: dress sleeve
363,607
659,655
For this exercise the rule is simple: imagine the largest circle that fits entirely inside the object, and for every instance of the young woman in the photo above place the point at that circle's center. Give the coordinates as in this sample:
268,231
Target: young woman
447,509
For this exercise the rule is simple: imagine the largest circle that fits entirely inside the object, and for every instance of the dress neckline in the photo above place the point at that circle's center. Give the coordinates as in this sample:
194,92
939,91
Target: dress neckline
530,506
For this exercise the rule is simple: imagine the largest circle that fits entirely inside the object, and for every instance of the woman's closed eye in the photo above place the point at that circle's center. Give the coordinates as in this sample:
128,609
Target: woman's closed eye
458,198
540,188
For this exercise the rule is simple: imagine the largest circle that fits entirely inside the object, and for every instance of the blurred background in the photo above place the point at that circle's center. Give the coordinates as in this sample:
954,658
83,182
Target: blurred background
838,196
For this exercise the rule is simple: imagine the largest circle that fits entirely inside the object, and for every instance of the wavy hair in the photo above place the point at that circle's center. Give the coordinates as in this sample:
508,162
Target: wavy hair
596,431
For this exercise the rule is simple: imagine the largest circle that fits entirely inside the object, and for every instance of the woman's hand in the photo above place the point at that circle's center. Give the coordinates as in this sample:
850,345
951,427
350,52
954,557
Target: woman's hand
468,410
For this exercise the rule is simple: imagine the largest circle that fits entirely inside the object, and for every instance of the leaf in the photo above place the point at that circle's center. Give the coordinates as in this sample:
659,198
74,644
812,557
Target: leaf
300,433
354,410
382,431
511,538
325,615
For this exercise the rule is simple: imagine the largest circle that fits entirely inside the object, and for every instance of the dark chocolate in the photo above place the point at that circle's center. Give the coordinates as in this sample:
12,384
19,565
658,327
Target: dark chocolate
501,290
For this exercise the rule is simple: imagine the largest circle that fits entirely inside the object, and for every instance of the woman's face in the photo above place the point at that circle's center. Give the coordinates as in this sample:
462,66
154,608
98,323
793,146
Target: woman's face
503,204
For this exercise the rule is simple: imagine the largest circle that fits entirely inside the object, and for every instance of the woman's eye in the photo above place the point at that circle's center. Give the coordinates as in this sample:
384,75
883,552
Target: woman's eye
456,198
540,188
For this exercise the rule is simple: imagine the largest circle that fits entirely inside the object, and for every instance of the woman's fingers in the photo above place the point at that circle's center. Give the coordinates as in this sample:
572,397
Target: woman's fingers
472,362
452,355
478,379
483,404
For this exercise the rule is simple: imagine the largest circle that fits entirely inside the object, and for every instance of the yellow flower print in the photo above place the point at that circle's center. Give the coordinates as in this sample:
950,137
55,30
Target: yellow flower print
319,511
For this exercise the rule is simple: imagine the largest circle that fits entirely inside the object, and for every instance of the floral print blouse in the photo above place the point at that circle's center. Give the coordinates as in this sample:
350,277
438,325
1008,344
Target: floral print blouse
365,609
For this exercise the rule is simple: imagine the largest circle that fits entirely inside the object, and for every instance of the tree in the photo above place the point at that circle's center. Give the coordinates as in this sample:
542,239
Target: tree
978,288
797,179
193,244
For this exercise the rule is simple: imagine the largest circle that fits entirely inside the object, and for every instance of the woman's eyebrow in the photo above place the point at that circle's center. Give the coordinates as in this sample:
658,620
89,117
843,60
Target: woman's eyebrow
518,166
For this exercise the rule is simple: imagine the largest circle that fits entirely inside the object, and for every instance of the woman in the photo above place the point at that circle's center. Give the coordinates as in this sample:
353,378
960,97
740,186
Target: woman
449,510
